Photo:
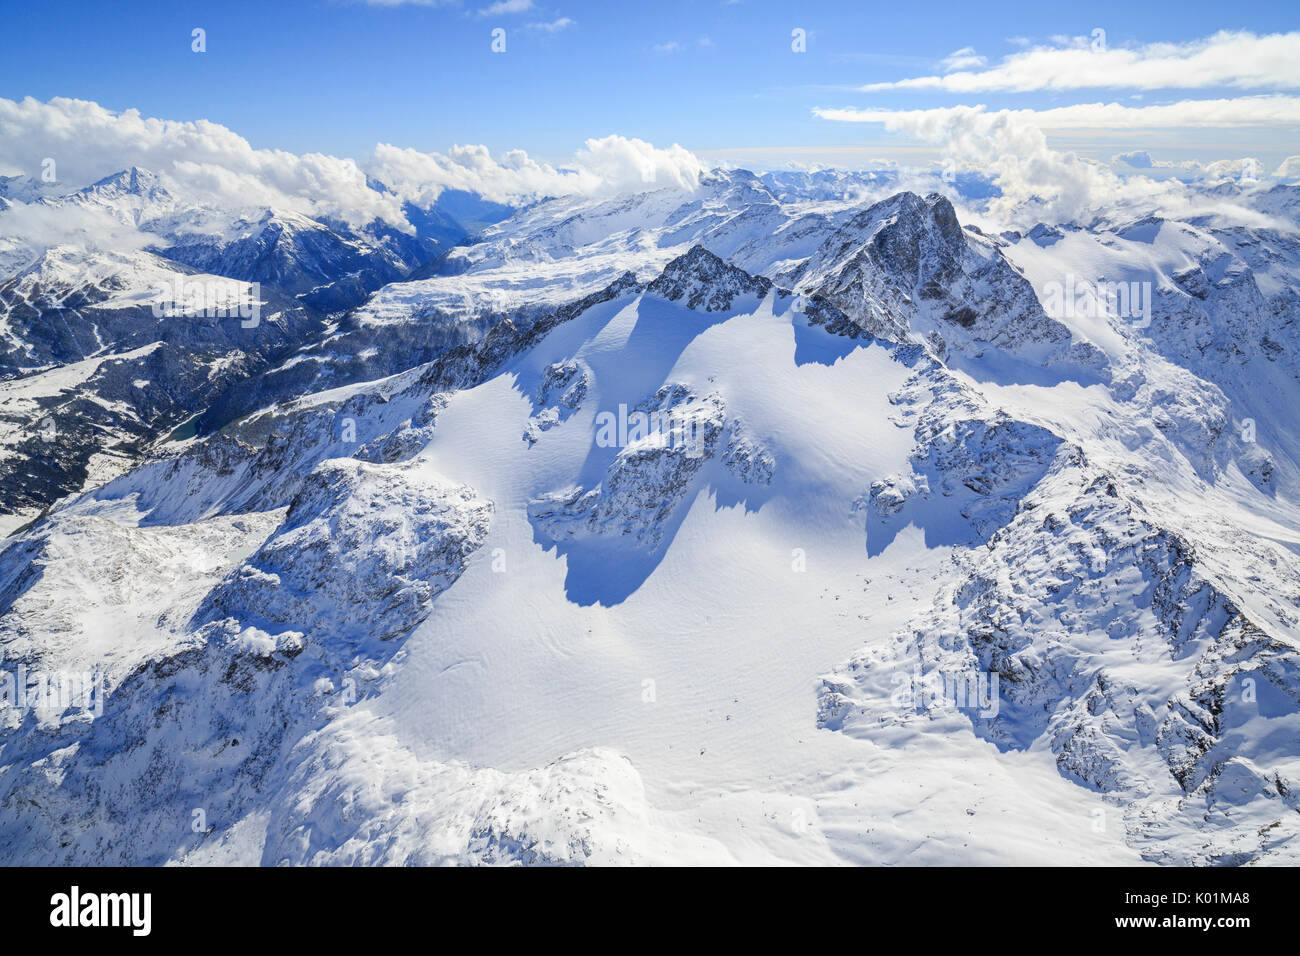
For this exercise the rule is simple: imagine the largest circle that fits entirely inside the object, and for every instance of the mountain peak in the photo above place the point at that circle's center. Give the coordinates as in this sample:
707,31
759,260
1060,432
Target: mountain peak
133,181
706,281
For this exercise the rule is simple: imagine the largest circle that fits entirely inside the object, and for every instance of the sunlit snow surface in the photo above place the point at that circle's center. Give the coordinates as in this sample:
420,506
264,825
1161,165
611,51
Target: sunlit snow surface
471,632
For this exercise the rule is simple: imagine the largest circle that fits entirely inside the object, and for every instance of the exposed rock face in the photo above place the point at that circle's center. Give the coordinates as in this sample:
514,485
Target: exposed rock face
149,362
981,459
678,431
564,386
1069,596
747,457
700,280
330,271
906,266
297,631
1214,315
73,399
363,551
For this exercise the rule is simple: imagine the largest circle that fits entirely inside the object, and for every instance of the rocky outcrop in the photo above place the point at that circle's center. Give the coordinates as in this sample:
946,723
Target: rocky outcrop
700,280
669,438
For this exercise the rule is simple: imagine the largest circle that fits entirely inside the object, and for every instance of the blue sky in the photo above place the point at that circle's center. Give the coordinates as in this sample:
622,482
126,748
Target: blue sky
719,78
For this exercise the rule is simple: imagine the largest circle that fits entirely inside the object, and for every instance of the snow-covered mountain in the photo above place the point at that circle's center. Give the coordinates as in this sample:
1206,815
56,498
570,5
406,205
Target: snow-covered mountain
103,350
787,519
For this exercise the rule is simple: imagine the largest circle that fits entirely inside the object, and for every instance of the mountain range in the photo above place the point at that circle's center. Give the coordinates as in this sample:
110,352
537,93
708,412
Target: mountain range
652,528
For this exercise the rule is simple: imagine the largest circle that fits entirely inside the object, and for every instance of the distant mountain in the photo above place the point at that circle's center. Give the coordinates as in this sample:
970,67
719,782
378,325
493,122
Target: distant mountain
71,313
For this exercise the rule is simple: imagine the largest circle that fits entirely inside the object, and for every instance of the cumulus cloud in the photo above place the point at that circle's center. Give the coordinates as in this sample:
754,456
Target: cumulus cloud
621,165
1036,181
422,177
1239,59
1013,151
605,166
1245,169
1289,168
1042,184
1142,163
88,142
31,228
208,162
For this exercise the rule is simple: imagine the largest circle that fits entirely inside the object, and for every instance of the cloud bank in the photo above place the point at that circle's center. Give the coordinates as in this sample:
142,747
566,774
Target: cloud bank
1241,111
607,166
1040,183
207,160
1236,59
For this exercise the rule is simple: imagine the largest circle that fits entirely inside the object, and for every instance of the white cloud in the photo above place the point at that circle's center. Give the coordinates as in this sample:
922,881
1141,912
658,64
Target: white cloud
1289,168
605,166
1238,59
34,227
88,142
962,59
209,162
1039,183
506,6
1246,168
555,26
1036,181
623,164
1241,111
672,46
